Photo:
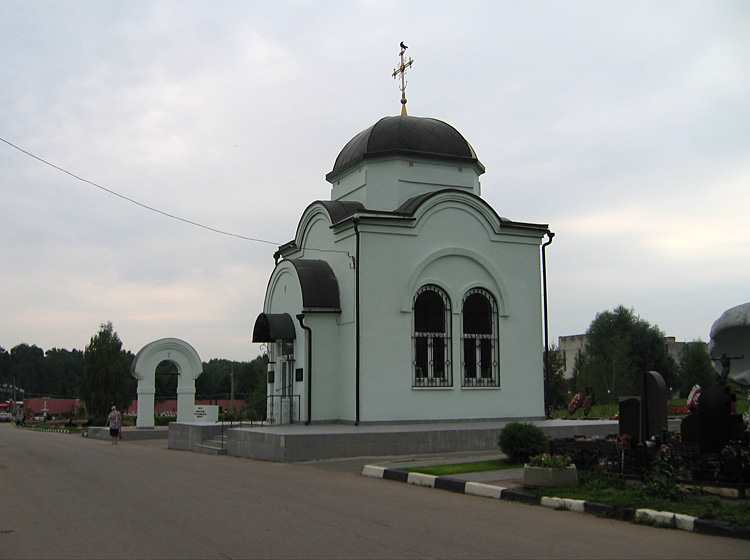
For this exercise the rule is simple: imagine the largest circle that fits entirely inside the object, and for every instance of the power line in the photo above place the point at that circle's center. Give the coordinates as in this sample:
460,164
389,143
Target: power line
105,189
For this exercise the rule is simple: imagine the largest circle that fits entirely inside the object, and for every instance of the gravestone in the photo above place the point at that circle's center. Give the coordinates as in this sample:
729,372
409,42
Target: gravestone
644,415
630,418
650,386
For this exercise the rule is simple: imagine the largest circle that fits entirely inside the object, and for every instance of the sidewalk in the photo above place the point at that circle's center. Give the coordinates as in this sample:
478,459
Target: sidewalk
505,478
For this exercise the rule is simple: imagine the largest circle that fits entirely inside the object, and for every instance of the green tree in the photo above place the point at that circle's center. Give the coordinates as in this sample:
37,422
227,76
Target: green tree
215,382
165,380
619,345
6,379
106,374
257,383
26,367
696,368
249,380
557,385
63,370
4,366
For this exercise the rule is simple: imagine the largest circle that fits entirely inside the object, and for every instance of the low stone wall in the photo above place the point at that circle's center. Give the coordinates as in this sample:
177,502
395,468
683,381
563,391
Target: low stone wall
128,434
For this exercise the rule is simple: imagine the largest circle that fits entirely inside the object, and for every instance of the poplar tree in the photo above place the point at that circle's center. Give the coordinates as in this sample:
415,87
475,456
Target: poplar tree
106,374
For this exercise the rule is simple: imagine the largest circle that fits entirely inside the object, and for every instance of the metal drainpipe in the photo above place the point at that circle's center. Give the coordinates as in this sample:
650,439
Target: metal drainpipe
546,325
355,221
301,318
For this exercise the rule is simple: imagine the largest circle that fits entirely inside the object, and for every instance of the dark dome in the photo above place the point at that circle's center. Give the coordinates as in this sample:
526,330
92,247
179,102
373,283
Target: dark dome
416,136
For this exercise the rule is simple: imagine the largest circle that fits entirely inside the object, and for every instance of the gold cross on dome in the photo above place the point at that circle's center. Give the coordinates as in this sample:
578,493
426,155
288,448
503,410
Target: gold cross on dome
401,70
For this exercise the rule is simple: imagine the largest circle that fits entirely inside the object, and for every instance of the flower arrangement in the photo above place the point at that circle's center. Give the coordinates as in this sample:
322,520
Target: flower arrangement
548,461
674,410
735,450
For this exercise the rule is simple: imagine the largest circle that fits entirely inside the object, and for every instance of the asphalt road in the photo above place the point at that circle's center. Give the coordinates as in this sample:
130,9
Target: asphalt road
64,496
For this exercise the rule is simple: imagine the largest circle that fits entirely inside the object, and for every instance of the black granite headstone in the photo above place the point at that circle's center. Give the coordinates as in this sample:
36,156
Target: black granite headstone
630,418
650,386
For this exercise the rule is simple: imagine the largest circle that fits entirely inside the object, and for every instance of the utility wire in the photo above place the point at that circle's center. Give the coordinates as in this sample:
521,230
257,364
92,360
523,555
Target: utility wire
135,201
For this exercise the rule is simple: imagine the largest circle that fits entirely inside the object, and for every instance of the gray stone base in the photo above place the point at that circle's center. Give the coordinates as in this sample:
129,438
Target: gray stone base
539,477
297,442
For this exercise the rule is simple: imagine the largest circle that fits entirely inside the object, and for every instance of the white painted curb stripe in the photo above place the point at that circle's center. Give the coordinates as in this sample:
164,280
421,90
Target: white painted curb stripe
372,470
554,503
421,479
574,505
483,490
684,522
659,517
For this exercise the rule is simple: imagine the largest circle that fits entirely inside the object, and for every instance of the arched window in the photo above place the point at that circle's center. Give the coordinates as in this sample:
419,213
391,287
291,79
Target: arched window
432,333
479,340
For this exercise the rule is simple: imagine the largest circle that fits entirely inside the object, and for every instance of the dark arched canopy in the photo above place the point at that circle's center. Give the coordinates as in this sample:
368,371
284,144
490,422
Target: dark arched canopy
270,327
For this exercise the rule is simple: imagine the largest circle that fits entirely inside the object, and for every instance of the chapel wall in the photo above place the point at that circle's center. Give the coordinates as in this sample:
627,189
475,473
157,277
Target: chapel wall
387,334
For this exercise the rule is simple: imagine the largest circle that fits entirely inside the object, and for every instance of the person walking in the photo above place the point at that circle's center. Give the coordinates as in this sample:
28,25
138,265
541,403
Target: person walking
114,419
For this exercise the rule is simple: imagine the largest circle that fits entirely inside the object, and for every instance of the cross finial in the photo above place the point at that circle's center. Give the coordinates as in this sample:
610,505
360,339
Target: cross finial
401,70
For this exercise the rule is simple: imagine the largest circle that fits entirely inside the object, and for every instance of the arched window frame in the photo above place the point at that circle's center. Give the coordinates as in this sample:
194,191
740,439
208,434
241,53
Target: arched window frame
431,361
480,351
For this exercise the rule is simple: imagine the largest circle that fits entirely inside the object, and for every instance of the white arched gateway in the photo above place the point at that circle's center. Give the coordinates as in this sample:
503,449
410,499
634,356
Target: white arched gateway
143,368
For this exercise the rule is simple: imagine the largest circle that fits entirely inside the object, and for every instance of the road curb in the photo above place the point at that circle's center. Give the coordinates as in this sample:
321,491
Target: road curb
647,516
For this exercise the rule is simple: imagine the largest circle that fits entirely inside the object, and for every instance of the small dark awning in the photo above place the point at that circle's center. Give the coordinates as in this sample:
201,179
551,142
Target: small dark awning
270,327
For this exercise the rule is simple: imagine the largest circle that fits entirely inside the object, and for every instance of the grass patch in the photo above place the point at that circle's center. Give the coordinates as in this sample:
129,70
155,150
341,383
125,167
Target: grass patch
461,468
609,410
613,491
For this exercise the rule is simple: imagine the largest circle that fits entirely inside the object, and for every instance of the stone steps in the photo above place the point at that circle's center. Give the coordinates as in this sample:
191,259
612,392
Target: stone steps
214,446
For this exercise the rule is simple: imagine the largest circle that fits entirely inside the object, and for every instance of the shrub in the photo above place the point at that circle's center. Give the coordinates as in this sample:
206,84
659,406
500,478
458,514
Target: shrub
660,479
520,441
164,420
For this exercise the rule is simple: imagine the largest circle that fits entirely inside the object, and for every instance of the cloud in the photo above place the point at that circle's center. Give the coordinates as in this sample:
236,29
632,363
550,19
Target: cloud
622,126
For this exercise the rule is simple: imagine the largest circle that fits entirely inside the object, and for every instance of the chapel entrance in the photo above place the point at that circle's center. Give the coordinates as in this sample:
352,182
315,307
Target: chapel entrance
284,398
278,332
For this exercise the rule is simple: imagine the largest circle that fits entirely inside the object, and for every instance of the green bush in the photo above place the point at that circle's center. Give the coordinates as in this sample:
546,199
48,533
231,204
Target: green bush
164,420
520,441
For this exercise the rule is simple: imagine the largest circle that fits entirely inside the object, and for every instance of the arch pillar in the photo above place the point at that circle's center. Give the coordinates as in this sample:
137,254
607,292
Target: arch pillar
145,406
186,403
143,368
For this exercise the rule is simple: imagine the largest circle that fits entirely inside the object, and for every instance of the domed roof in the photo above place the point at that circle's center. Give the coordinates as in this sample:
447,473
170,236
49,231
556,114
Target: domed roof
403,134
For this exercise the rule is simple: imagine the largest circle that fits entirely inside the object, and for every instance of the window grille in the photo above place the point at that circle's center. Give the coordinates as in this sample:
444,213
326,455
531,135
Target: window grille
431,365
479,340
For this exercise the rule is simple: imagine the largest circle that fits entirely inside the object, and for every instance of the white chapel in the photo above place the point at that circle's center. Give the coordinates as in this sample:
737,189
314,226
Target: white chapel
405,297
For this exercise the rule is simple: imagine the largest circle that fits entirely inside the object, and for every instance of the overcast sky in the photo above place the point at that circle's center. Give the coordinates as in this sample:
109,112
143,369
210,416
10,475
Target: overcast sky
625,126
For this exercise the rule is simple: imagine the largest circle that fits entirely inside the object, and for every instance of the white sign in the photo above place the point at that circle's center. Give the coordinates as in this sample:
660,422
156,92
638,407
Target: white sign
207,413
